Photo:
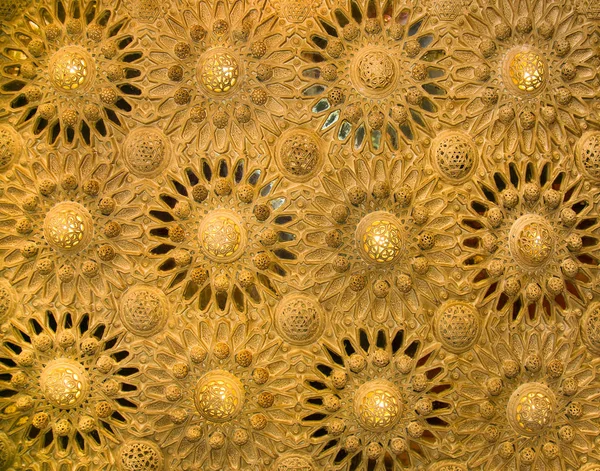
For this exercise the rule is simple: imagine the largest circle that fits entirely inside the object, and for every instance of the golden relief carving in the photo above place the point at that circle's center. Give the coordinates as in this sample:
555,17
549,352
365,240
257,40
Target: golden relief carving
71,69
299,235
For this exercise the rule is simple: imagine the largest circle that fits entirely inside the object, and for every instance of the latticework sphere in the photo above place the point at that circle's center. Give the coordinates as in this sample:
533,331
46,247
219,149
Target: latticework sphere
380,238
140,456
457,325
219,396
143,310
10,146
299,319
299,155
378,405
531,408
527,71
64,383
531,240
146,151
71,68
68,226
590,327
455,156
588,154
222,236
376,70
218,72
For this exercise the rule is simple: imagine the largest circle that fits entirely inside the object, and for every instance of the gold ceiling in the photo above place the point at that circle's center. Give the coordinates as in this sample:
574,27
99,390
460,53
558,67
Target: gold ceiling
299,235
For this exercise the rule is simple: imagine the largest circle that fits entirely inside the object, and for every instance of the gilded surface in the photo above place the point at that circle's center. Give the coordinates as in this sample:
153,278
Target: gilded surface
299,235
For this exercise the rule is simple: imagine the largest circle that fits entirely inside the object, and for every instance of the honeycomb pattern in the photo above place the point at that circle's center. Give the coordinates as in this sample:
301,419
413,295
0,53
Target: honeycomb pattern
455,156
458,326
299,319
9,9
143,310
137,456
146,151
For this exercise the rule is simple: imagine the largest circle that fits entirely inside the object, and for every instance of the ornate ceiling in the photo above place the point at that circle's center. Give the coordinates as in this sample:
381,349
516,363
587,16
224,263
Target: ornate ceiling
299,235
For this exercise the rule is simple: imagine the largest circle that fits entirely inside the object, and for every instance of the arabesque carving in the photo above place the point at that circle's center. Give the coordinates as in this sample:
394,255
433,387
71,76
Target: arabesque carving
299,235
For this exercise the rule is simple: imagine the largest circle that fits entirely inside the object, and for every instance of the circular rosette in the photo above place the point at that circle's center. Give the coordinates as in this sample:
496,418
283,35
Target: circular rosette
144,309
587,156
373,74
526,399
529,240
69,387
521,79
295,462
376,397
134,455
219,396
70,227
9,305
146,151
69,76
222,72
11,147
222,234
454,156
379,237
299,318
299,154
458,325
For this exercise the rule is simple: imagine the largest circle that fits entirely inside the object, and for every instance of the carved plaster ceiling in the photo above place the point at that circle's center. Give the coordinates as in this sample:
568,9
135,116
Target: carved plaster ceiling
299,235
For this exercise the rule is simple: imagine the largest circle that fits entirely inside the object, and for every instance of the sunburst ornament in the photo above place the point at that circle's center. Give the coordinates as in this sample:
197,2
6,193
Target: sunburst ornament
222,233
222,398
524,238
68,79
377,396
70,228
71,387
372,74
521,80
524,399
373,234
223,71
